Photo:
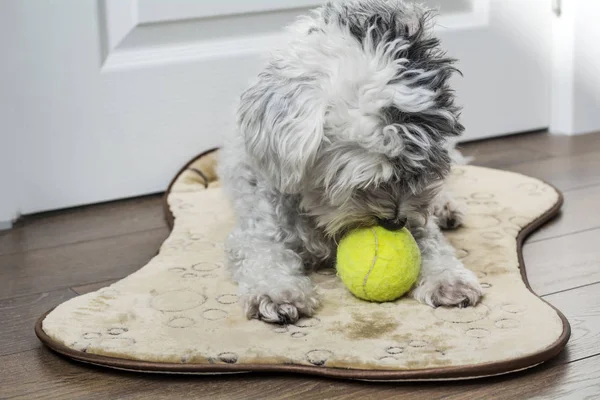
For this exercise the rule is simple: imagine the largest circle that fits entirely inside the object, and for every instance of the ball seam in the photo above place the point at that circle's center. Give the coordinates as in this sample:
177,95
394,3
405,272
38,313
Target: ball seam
364,285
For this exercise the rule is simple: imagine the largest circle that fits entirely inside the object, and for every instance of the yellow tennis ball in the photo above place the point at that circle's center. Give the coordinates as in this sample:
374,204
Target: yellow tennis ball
378,265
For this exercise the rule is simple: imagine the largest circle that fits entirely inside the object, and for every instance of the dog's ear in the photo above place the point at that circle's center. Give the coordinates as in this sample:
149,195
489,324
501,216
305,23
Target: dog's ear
281,121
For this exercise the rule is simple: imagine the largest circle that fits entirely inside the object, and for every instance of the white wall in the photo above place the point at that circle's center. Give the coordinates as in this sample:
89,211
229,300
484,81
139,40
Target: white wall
10,119
8,206
576,68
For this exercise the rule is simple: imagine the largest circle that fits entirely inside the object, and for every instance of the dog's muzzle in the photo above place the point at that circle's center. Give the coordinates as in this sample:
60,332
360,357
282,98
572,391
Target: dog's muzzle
393,224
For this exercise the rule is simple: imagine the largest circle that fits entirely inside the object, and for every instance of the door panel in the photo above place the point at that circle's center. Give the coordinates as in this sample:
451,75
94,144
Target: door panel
504,52
121,102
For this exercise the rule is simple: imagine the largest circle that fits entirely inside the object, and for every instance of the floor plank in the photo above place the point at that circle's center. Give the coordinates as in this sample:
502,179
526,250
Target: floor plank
564,262
504,144
540,141
581,306
77,264
18,316
561,145
565,172
578,380
40,374
83,224
501,152
501,159
577,215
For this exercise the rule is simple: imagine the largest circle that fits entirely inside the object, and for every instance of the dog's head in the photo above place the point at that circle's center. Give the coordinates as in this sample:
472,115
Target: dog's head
354,114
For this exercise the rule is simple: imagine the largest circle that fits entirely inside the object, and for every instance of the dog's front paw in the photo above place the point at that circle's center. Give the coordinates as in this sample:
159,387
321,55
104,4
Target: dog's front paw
281,308
450,215
453,287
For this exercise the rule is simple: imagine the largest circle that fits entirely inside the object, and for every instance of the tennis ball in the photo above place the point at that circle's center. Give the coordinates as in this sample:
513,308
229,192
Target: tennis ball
378,265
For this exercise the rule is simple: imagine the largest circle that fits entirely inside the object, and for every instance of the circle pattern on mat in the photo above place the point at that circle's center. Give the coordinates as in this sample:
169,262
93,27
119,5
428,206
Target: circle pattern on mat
228,298
507,323
91,335
228,357
477,333
180,322
214,314
394,350
205,266
116,331
281,329
318,357
461,315
177,300
492,235
481,221
514,308
308,322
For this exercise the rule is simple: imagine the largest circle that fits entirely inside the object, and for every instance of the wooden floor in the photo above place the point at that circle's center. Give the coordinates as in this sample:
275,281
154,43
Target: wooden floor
47,259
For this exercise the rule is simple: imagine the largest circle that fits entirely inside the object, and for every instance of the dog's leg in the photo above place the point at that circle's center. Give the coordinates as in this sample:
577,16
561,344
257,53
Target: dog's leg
449,212
271,278
444,280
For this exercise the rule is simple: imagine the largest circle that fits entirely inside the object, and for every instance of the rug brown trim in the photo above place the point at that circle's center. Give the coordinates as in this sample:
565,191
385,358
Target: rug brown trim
427,374
165,204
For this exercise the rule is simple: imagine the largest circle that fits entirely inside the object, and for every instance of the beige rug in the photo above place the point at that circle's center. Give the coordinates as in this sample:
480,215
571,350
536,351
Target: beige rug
180,312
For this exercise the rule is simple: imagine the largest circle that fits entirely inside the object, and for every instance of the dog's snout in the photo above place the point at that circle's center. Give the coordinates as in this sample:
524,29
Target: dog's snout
394,224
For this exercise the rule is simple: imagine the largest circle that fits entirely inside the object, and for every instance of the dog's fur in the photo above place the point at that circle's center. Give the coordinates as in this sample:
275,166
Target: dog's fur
351,124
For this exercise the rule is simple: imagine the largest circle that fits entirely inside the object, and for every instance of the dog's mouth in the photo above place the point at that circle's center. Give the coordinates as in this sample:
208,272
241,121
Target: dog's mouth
394,224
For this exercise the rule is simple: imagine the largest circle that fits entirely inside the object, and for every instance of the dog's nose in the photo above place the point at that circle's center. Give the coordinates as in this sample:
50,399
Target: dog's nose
394,224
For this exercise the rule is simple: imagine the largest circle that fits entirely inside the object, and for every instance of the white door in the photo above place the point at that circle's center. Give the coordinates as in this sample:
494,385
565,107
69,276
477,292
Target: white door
109,97
504,52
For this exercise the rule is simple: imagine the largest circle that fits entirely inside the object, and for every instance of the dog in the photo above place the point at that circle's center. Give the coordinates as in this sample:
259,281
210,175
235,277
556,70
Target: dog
351,124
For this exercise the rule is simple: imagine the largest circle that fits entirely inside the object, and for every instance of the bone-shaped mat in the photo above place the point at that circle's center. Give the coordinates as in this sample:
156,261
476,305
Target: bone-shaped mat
180,312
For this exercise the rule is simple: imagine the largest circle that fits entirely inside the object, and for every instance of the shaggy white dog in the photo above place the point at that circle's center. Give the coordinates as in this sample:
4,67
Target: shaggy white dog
350,124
